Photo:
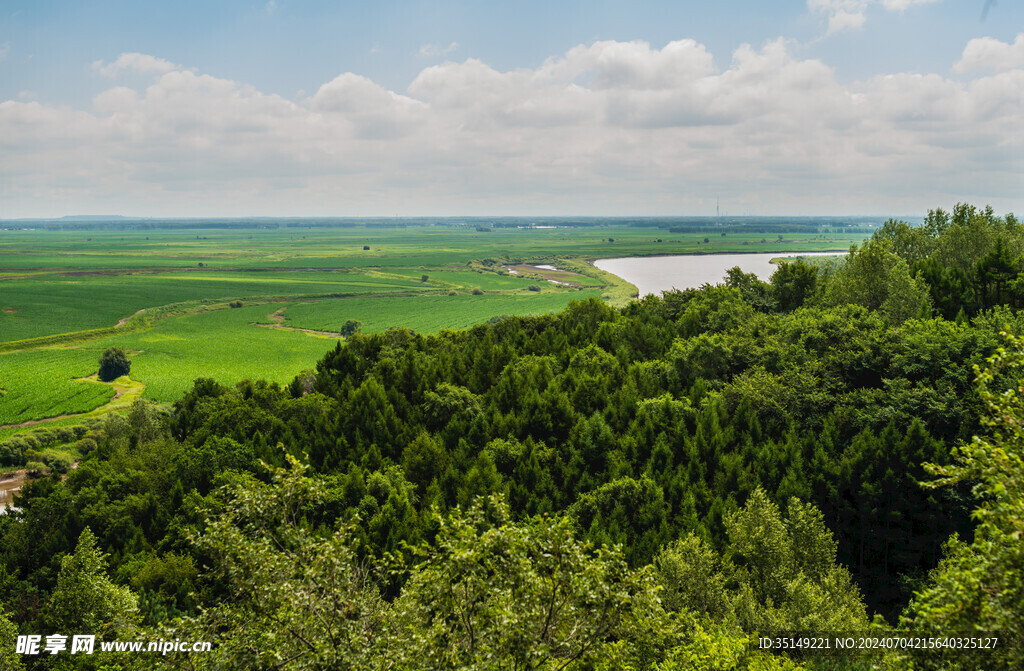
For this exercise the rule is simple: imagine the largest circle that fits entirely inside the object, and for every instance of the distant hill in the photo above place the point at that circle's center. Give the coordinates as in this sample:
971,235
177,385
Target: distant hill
92,217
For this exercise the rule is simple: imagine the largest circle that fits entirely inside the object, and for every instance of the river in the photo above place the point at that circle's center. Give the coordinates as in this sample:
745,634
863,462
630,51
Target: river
655,274
10,483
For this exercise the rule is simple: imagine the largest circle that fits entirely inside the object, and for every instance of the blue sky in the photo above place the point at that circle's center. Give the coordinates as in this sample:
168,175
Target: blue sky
355,108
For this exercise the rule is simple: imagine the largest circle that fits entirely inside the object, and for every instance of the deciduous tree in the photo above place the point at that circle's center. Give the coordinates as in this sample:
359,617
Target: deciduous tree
114,363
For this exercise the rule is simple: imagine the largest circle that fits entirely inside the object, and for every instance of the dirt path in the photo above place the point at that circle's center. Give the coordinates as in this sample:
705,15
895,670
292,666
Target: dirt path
279,318
124,321
124,394
556,275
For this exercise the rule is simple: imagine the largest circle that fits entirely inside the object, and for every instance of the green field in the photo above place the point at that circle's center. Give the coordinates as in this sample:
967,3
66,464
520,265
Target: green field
64,294
426,314
221,344
414,246
41,383
57,303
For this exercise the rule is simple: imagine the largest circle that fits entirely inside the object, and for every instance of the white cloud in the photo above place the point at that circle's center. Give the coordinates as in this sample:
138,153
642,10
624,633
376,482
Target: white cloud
609,127
843,20
435,50
986,53
135,62
903,5
850,14
370,109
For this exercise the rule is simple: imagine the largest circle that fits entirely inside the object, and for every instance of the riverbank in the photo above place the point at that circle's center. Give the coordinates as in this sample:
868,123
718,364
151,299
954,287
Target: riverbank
10,483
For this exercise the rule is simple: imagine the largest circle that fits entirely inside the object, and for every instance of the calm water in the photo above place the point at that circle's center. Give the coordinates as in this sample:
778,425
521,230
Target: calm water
655,274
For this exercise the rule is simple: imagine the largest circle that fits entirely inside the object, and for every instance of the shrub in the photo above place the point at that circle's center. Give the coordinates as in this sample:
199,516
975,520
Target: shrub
45,436
366,248
12,453
58,463
478,292
235,304
533,287
85,445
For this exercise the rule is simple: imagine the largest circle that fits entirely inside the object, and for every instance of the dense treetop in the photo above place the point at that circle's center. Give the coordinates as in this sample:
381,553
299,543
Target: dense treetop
648,487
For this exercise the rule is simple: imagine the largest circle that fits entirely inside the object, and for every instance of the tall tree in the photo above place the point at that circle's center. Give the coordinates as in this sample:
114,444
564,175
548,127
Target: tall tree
978,589
875,277
85,600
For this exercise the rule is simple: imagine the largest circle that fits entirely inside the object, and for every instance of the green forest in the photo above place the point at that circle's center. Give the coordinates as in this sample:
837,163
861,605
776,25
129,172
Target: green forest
834,452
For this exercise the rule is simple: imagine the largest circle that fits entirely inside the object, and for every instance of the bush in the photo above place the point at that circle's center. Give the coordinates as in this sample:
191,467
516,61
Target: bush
366,247
12,453
453,293
114,363
58,463
235,304
45,436
533,287
424,278
478,292
85,445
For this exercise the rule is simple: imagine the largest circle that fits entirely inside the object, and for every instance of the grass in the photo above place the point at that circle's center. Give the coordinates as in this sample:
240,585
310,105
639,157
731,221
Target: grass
222,344
58,303
427,314
466,279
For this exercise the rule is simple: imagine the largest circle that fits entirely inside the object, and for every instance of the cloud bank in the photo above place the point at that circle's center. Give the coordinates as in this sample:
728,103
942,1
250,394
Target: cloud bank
606,128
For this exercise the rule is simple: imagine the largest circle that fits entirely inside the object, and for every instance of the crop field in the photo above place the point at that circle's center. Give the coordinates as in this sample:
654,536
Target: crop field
221,344
55,303
426,314
65,293
428,246
41,383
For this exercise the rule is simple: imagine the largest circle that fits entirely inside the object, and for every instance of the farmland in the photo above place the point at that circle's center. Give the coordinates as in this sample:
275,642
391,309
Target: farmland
163,292
425,313
42,383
